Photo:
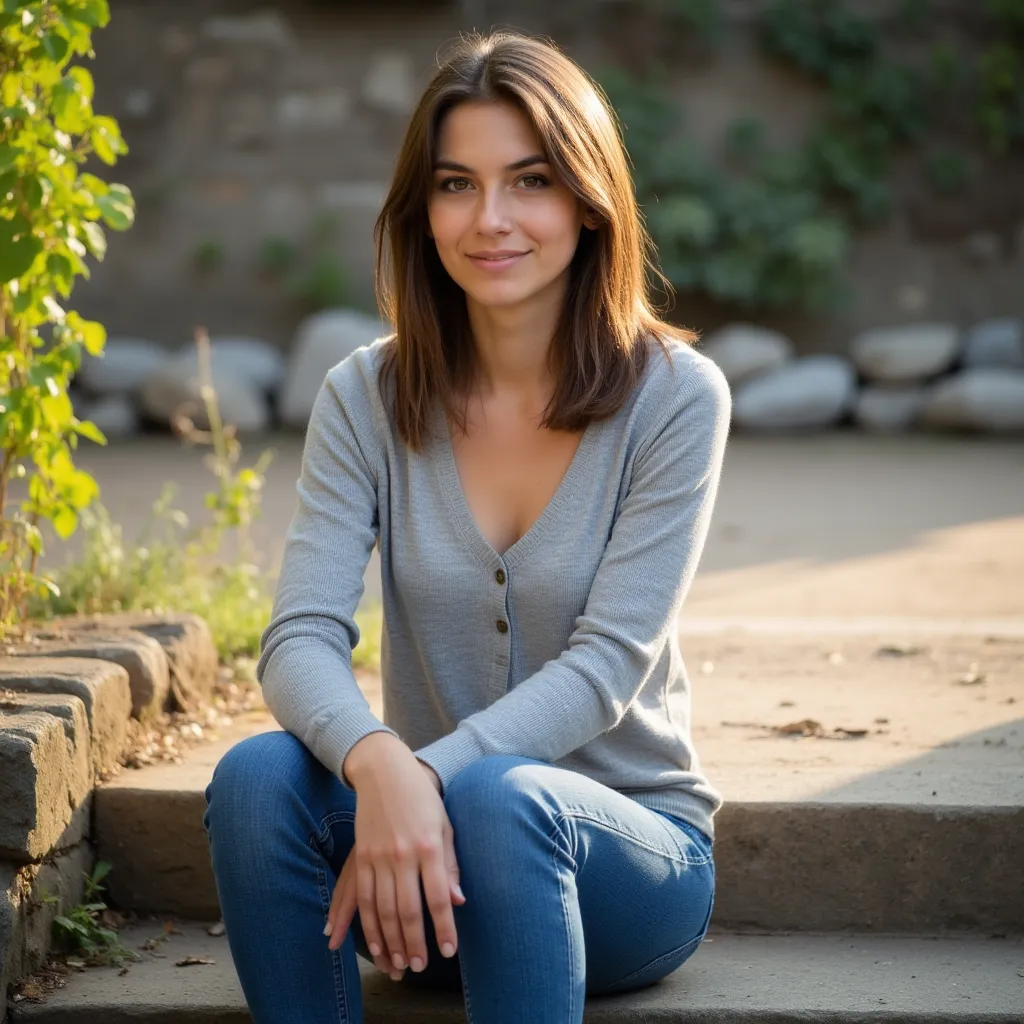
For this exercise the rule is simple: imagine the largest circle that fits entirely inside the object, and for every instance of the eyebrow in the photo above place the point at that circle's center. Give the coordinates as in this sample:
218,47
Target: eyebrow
529,161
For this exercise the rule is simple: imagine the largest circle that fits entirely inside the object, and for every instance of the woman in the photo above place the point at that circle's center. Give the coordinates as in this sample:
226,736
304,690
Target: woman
536,456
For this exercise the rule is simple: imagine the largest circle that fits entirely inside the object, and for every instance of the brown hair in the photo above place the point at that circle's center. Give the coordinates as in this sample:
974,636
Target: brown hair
599,349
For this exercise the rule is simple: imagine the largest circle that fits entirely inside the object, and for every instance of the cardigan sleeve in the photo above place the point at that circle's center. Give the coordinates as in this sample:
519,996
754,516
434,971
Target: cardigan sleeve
305,664
645,572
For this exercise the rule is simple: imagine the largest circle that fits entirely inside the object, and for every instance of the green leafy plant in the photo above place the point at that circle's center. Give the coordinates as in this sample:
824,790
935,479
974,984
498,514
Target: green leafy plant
81,930
51,218
172,565
755,232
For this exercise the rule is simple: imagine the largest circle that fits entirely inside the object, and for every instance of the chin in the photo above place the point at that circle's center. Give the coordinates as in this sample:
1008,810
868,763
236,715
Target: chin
503,293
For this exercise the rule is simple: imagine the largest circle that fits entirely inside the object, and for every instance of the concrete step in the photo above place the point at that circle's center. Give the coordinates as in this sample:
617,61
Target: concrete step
735,978
916,826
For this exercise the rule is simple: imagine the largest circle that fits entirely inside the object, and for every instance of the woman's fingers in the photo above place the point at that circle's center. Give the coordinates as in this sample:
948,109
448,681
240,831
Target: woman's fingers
366,898
410,914
386,912
452,865
343,905
439,895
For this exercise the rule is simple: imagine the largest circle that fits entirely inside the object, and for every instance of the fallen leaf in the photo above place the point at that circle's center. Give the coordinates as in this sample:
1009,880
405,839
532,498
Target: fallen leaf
881,721
899,651
851,733
189,960
805,727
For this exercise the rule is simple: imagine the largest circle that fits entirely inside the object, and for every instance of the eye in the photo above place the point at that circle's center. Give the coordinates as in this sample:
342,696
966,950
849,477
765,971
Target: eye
538,180
444,185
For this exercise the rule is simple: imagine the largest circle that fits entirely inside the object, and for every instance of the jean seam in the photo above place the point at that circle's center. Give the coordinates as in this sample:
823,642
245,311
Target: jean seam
465,990
681,858
565,910
657,960
695,942
337,955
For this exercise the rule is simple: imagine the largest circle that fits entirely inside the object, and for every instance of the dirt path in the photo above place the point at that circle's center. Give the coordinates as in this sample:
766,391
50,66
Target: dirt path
837,524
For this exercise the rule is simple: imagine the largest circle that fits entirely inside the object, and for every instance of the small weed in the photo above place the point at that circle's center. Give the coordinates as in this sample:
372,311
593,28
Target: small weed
81,931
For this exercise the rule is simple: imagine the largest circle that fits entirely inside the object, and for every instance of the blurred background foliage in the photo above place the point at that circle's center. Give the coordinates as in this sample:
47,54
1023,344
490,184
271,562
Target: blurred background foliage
767,226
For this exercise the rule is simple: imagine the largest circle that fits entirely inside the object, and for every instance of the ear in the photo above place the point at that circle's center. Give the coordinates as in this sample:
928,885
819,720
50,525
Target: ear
591,219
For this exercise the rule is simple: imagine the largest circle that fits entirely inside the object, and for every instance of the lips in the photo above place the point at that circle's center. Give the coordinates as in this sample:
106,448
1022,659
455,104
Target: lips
497,260
497,254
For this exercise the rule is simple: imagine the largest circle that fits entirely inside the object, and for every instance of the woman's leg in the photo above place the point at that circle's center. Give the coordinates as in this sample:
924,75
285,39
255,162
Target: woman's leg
571,888
280,827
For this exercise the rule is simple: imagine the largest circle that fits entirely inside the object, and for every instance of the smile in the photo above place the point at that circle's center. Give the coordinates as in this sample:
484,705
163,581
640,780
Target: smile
498,261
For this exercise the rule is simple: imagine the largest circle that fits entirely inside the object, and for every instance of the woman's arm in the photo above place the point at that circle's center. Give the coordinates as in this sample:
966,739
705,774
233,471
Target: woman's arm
645,572
305,665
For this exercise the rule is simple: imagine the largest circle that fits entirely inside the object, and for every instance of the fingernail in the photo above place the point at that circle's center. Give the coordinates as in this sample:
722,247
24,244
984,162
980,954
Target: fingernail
374,949
416,963
459,892
396,975
327,928
397,960
448,949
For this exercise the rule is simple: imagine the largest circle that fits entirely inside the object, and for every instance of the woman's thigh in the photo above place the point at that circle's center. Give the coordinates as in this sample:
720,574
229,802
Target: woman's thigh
644,883
645,898
637,887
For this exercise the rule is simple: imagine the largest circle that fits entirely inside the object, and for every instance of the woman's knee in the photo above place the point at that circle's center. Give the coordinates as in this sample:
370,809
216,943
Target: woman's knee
255,767
494,786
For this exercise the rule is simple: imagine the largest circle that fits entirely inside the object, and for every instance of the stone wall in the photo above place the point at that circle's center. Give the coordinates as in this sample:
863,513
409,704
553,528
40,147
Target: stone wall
72,694
246,121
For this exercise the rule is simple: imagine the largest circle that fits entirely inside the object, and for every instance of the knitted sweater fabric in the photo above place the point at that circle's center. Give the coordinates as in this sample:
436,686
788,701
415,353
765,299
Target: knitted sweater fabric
563,648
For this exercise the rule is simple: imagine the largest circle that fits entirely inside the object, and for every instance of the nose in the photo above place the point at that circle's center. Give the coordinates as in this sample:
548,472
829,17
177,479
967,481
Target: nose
493,214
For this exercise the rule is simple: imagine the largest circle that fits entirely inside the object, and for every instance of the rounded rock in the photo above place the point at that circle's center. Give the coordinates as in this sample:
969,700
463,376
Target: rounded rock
905,354
813,392
743,351
984,399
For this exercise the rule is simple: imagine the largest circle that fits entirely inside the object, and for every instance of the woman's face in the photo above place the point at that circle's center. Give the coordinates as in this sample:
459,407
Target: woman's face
505,227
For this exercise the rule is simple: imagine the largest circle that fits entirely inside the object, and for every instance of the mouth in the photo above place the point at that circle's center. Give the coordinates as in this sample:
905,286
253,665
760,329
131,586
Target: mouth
499,259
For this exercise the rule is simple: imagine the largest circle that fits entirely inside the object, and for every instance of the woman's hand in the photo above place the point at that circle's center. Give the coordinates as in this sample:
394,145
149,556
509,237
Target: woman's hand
402,834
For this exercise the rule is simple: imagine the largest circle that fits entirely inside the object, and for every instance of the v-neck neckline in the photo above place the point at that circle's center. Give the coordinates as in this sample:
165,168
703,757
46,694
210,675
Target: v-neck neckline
459,506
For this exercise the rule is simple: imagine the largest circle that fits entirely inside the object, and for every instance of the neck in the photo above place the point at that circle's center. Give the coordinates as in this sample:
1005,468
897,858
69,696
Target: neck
512,345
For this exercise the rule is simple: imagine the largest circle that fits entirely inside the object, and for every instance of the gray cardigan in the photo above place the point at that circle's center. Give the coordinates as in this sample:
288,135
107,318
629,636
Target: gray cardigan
563,648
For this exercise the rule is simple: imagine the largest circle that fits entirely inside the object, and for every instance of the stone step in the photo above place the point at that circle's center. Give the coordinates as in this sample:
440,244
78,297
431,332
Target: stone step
916,826
781,865
735,978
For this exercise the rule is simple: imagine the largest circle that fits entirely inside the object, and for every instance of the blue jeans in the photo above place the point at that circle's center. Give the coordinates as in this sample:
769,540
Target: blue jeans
572,888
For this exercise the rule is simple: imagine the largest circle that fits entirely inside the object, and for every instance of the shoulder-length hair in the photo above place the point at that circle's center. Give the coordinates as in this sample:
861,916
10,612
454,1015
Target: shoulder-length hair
599,349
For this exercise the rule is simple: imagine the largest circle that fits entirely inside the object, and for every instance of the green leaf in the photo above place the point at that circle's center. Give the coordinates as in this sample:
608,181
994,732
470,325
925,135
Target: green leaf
65,522
70,108
94,13
89,429
55,46
8,155
32,190
94,334
117,208
106,139
95,238
18,247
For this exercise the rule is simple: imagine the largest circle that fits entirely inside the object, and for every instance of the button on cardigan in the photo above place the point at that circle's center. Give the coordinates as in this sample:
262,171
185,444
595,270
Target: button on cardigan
562,648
